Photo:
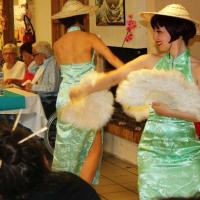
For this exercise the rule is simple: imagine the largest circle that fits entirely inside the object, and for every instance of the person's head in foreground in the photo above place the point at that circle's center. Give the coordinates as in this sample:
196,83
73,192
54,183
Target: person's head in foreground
24,173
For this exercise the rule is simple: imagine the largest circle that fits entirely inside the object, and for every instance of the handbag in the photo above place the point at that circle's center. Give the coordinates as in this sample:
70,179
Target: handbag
29,35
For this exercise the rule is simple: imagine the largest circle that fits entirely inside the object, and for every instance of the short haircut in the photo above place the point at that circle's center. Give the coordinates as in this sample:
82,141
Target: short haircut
175,26
72,20
10,46
43,47
27,47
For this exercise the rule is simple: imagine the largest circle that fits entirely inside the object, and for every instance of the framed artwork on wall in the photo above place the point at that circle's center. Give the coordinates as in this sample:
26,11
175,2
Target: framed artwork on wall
110,12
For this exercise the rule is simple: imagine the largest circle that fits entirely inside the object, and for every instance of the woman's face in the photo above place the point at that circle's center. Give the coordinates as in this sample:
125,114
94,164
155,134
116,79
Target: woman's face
27,58
162,39
9,56
38,57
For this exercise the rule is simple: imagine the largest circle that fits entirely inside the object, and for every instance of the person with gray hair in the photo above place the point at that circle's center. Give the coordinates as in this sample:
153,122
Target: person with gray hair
13,69
43,47
46,79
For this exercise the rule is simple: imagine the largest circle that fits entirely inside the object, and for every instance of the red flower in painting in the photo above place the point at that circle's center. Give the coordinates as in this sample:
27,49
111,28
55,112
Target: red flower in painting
130,26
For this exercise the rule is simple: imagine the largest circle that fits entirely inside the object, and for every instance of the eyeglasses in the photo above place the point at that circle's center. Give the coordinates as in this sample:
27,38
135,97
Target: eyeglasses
35,54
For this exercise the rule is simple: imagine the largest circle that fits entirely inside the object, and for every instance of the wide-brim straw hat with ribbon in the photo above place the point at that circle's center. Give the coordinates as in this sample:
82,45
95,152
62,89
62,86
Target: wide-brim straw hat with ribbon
73,8
172,10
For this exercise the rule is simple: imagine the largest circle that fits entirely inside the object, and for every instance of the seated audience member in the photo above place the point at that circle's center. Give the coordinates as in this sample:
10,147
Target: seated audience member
13,69
27,57
24,174
46,79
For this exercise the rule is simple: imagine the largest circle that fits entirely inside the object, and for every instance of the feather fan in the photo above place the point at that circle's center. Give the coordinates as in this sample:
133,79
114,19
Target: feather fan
92,111
143,87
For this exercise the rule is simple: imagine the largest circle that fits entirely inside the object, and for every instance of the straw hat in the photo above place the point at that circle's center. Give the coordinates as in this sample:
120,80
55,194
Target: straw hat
73,8
172,10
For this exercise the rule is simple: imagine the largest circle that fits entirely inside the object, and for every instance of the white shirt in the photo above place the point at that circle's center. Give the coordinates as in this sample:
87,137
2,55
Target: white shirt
46,78
16,72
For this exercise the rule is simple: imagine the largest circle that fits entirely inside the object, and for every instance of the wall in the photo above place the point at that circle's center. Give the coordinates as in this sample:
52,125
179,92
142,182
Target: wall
42,19
121,148
114,35
42,23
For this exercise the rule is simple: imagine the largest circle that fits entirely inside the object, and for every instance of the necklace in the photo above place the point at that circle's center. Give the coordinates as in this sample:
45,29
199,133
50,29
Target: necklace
73,28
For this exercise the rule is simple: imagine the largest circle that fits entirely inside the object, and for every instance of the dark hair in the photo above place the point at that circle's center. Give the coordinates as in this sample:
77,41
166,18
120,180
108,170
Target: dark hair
72,20
27,47
22,165
175,26
24,175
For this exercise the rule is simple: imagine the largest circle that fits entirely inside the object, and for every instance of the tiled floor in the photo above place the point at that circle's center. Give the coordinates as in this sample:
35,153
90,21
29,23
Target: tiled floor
118,180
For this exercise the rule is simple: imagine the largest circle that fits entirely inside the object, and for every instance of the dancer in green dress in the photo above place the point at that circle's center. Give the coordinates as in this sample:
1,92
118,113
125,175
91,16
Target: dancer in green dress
169,151
77,150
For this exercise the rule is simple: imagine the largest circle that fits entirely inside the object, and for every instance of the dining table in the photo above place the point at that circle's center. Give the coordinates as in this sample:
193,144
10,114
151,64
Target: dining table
26,106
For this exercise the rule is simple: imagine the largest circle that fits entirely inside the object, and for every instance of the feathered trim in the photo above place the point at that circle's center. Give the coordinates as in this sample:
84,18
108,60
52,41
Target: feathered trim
144,86
92,111
140,113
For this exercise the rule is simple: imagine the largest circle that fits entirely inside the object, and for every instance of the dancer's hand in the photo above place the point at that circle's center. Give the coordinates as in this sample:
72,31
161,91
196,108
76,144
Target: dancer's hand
75,93
161,108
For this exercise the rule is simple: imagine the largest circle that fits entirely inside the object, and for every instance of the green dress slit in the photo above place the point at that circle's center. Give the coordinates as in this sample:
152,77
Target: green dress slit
72,144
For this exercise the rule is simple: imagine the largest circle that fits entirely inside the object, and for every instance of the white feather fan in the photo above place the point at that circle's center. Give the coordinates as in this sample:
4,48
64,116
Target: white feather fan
140,113
92,111
144,86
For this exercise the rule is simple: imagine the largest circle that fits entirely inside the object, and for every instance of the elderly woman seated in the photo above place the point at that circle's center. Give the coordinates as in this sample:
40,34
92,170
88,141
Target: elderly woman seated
46,79
13,69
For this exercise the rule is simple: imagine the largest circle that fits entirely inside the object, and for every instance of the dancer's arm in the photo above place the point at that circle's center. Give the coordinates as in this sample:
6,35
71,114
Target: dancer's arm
163,109
114,77
99,46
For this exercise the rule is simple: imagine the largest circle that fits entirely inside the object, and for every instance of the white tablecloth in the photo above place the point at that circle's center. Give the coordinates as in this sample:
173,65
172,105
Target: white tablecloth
33,116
